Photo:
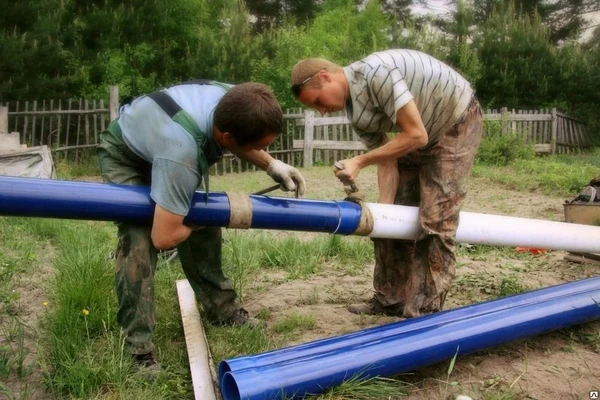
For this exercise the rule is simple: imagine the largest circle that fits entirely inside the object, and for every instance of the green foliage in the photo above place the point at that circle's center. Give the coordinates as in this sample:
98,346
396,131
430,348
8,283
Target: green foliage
519,67
342,34
556,175
500,149
408,35
511,285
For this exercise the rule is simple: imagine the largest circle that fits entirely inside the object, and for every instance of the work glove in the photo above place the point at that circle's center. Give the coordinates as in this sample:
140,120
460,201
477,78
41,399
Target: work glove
287,176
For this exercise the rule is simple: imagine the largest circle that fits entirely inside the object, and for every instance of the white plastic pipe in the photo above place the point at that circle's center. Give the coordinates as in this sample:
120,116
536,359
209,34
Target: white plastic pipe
402,222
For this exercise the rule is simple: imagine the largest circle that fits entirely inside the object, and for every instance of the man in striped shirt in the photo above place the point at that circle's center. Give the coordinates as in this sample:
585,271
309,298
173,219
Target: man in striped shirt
426,164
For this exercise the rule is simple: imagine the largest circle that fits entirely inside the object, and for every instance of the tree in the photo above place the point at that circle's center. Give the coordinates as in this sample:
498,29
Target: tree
563,18
518,63
273,13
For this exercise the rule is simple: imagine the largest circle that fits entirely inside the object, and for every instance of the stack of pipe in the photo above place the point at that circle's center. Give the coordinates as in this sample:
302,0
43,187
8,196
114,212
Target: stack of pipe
403,346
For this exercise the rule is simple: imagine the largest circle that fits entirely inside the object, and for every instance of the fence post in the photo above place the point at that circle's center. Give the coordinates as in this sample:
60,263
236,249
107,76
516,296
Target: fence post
113,103
309,131
554,132
3,119
504,119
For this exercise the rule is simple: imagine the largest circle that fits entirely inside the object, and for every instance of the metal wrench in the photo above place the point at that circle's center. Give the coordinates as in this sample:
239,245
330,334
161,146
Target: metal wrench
272,188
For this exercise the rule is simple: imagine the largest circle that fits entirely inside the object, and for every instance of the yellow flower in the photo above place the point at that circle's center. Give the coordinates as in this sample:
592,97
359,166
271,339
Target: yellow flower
45,303
85,312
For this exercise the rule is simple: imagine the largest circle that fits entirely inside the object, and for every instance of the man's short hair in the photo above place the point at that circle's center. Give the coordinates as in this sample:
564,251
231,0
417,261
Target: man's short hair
305,70
249,112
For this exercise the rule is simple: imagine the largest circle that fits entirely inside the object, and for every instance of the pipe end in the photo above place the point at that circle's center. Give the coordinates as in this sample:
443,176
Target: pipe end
229,387
224,368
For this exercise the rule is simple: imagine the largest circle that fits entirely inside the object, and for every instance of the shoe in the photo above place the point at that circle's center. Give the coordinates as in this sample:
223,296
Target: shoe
147,365
374,307
242,318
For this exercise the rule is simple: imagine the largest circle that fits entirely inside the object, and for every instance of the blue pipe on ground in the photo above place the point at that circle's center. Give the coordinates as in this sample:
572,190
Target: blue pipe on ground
392,355
32,197
377,333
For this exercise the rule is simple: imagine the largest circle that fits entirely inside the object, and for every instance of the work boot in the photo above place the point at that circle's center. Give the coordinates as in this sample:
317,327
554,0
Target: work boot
147,365
242,318
374,307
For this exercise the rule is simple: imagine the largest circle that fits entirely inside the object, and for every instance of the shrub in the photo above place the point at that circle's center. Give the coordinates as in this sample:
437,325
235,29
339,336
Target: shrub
499,148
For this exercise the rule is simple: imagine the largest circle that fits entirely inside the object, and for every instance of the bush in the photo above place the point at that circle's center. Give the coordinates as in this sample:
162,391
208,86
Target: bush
500,149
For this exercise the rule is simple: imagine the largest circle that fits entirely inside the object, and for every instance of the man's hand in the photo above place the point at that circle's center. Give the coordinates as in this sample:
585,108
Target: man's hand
168,229
287,176
348,174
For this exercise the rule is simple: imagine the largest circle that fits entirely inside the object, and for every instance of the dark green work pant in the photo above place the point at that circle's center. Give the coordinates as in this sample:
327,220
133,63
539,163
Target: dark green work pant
136,257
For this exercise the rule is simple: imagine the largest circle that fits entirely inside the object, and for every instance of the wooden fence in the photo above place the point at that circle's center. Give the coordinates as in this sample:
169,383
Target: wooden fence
71,128
548,131
67,127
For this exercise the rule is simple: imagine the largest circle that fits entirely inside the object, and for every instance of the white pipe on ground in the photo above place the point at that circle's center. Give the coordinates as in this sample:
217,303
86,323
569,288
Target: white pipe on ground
402,222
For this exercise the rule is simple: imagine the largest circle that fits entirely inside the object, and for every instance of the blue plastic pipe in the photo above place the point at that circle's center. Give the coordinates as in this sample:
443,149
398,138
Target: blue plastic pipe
338,343
313,374
30,197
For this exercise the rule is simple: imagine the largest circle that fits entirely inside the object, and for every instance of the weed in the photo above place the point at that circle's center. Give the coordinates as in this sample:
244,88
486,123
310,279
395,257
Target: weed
375,388
511,285
295,322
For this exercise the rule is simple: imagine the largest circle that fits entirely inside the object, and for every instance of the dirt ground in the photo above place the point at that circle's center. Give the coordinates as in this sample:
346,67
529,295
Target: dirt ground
553,366
560,365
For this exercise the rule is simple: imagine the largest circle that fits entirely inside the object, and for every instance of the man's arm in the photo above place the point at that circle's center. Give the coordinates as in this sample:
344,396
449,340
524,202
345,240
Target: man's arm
289,177
260,158
412,137
168,229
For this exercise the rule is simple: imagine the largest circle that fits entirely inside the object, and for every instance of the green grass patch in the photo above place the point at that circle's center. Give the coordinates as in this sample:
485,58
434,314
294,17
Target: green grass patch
246,253
561,175
294,323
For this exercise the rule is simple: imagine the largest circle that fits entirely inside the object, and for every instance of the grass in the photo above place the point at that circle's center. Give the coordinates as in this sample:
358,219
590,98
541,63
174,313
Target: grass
81,350
559,175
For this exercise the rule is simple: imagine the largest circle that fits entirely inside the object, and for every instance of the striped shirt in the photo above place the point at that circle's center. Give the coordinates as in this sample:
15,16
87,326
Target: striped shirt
384,82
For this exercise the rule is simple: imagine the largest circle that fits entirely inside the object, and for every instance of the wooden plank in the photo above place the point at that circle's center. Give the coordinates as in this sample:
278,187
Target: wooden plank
25,125
505,120
331,145
33,124
572,257
42,127
86,122
102,116
68,125
76,147
58,126
569,118
78,133
113,102
16,125
95,117
542,148
320,121
50,132
204,376
553,131
309,117
4,120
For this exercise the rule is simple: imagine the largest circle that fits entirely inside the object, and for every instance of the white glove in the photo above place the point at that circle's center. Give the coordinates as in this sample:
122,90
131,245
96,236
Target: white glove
287,176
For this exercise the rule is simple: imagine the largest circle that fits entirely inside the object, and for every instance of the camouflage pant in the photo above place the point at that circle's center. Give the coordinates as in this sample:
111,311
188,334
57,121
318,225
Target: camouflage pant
136,257
415,276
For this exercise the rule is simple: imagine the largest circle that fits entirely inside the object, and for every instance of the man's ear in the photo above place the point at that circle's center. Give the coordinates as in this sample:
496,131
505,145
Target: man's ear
324,76
229,140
